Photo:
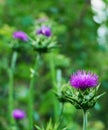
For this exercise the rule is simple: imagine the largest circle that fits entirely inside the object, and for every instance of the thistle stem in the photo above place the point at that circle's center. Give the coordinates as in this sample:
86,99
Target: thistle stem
56,76
52,69
54,80
60,119
11,86
84,120
59,83
31,93
61,112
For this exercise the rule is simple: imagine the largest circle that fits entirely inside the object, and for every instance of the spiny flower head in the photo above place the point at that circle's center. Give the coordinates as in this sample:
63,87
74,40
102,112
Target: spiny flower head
20,35
83,80
44,30
18,114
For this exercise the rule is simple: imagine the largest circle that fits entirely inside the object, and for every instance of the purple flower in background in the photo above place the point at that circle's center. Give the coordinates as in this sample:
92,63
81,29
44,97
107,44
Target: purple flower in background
20,35
82,80
44,30
41,20
18,114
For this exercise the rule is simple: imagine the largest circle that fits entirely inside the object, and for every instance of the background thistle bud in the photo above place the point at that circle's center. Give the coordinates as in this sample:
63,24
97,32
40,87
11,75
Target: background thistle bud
19,40
44,42
18,114
20,35
44,30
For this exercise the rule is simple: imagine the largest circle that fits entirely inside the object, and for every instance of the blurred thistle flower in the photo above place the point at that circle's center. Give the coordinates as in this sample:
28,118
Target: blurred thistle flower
43,43
20,35
41,20
83,80
44,30
18,114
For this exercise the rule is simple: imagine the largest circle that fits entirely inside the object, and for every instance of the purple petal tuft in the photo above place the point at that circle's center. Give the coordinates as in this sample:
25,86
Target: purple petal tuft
82,79
20,35
44,30
18,114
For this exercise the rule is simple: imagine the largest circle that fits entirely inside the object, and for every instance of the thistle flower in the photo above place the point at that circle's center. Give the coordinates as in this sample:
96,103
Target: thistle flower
83,80
41,20
20,35
85,99
18,114
44,30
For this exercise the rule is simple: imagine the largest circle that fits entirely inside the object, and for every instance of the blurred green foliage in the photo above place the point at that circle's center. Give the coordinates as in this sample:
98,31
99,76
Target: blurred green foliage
73,25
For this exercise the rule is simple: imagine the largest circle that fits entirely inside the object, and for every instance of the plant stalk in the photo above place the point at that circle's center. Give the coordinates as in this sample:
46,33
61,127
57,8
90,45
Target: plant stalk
56,76
84,120
11,86
31,92
59,83
54,84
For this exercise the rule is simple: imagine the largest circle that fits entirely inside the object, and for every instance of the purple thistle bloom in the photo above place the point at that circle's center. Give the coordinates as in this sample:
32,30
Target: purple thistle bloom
82,80
44,30
41,20
18,114
20,35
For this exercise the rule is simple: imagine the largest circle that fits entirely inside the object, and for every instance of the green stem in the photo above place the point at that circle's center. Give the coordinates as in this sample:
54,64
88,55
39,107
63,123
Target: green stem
60,120
59,78
52,69
19,125
31,92
56,76
54,81
61,113
59,83
11,87
84,120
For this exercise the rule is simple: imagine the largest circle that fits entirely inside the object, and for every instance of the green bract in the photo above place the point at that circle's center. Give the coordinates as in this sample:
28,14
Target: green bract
43,44
81,99
18,45
51,126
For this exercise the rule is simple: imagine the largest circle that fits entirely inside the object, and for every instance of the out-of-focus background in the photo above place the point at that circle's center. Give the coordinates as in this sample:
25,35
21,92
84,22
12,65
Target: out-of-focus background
81,30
